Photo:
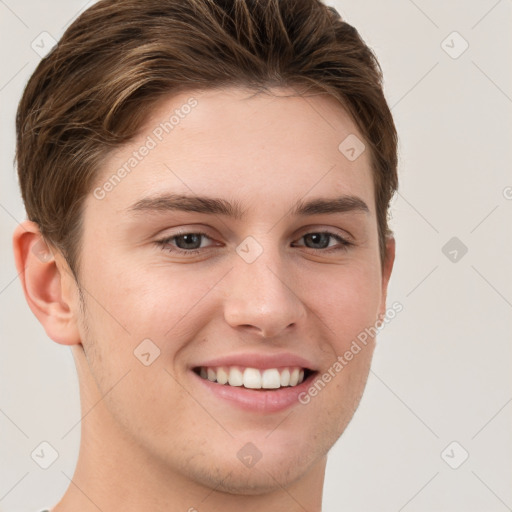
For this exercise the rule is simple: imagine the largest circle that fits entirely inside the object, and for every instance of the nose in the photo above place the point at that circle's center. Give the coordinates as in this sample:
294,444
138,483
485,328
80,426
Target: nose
260,297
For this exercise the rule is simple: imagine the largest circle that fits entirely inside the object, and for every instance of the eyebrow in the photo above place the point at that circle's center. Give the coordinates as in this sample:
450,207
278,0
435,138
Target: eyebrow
216,206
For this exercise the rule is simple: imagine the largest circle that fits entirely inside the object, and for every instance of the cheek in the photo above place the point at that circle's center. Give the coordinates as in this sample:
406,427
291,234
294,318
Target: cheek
139,302
347,301
348,305
123,323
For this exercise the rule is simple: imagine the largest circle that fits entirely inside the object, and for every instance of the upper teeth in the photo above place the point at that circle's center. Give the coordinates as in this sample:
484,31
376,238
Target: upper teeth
253,378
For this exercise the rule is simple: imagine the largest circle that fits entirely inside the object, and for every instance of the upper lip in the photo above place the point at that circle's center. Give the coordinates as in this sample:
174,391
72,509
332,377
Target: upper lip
259,361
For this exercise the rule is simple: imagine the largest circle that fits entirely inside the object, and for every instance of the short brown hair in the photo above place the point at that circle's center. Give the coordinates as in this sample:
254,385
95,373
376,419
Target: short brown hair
120,57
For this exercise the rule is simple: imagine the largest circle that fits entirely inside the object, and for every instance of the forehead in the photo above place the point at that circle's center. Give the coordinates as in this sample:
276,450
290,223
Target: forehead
275,147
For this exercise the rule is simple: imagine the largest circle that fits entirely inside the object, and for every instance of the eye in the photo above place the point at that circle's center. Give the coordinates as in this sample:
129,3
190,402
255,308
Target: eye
183,243
322,239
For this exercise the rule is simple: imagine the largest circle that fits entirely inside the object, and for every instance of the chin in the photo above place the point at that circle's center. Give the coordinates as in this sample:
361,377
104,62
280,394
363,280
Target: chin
279,465
263,478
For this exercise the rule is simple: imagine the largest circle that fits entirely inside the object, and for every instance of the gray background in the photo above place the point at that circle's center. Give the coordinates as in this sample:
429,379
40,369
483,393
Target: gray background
442,367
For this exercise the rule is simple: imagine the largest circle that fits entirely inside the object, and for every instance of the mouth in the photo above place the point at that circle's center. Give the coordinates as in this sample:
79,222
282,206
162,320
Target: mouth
269,379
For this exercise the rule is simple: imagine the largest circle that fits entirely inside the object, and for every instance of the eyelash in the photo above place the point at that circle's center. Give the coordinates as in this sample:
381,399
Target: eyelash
164,243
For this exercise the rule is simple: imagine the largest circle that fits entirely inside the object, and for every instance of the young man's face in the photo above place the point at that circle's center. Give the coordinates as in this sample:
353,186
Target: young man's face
265,290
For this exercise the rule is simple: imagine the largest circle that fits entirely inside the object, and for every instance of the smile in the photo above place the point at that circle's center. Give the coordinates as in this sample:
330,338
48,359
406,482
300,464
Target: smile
253,378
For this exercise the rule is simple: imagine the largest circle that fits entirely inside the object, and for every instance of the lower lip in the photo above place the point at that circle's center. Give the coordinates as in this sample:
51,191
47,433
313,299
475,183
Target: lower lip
255,400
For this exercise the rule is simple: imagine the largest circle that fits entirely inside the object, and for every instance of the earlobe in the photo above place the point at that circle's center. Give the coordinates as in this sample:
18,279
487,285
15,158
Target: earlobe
48,285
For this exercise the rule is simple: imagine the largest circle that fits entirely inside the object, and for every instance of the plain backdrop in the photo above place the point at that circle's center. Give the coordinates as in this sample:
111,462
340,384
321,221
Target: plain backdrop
440,388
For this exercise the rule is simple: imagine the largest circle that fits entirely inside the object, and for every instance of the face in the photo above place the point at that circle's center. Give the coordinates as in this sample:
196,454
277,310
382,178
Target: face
266,280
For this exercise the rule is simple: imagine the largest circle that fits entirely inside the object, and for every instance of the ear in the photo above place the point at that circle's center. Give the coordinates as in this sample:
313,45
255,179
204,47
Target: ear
48,284
387,267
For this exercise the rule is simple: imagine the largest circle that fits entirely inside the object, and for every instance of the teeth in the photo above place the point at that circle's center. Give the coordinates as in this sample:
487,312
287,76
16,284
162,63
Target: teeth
270,379
252,378
285,377
222,376
294,377
235,377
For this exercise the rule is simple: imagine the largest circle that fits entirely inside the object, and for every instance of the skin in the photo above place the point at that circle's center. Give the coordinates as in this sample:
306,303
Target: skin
150,435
